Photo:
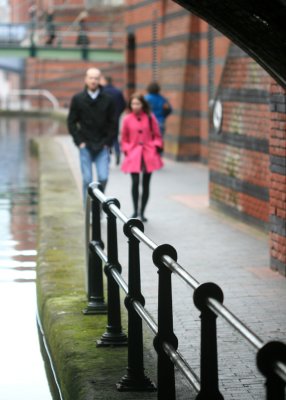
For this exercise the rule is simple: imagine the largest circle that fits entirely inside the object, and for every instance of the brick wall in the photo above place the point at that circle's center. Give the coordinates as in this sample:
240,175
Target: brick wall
179,62
64,79
239,153
277,184
171,47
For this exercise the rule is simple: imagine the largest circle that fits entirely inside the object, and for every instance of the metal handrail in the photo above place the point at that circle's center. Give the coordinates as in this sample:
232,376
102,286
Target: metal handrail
175,355
15,34
208,298
35,92
175,267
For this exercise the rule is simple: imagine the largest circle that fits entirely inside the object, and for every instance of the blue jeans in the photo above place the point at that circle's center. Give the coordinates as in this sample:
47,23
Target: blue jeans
101,160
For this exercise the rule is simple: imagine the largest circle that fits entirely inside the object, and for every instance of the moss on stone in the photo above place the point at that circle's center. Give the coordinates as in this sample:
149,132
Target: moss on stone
84,371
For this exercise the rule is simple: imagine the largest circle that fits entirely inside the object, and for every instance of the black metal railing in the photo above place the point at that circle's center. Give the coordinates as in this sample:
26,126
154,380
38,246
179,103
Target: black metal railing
208,298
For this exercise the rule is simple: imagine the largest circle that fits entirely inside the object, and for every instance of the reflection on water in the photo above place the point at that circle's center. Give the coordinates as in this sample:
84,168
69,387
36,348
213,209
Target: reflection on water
22,370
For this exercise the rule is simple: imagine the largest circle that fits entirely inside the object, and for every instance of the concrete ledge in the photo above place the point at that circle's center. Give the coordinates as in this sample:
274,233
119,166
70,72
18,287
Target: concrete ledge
84,372
59,114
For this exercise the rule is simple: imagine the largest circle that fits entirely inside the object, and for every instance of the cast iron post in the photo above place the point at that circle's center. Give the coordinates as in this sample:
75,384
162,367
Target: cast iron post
209,364
135,379
165,369
267,356
95,295
113,335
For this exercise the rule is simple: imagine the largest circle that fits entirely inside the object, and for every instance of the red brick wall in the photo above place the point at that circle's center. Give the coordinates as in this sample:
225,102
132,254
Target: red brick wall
178,63
64,79
19,9
239,153
277,184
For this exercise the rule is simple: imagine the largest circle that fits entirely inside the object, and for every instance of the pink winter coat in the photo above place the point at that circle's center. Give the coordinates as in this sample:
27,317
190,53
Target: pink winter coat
139,141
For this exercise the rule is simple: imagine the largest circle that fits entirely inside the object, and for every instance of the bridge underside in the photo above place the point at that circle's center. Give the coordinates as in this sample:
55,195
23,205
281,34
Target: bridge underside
257,26
58,53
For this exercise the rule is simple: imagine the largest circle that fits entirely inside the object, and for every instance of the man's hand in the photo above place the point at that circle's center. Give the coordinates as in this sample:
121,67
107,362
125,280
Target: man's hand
82,145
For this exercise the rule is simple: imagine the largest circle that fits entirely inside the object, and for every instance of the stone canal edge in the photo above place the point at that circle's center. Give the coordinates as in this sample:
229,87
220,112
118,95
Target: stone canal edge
83,371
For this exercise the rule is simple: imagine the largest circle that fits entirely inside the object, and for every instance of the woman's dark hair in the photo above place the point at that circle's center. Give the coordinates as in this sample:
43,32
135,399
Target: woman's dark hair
140,97
153,88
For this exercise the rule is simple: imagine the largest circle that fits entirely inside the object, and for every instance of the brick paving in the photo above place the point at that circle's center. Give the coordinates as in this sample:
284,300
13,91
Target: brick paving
211,247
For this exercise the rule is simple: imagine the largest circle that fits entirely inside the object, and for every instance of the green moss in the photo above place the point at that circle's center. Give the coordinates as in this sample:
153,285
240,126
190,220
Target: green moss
84,371
233,197
231,166
71,335
33,148
216,192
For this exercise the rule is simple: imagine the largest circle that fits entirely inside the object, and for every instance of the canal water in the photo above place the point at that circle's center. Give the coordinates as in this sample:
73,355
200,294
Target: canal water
24,370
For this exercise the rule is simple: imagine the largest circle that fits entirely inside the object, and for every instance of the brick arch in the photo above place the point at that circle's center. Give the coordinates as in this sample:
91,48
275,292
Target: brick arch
248,24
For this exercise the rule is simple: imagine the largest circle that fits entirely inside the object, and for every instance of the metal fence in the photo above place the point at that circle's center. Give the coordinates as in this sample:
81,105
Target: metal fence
94,34
28,100
208,298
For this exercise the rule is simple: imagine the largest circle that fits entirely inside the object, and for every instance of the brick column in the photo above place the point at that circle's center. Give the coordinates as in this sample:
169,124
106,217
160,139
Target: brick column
130,65
277,189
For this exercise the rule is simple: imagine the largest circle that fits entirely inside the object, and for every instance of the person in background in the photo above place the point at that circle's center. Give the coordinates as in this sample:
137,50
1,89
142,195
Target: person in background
82,38
159,105
50,26
33,11
120,105
33,16
91,122
141,143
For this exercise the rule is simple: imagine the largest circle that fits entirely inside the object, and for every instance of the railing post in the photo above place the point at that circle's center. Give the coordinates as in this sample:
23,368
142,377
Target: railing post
95,294
135,379
165,369
270,353
33,50
209,360
113,335
95,213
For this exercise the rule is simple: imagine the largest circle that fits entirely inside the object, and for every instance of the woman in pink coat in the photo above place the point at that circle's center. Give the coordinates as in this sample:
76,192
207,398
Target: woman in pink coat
141,142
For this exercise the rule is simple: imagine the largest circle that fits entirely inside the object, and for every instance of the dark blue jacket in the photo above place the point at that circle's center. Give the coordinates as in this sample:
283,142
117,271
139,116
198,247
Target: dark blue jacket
118,98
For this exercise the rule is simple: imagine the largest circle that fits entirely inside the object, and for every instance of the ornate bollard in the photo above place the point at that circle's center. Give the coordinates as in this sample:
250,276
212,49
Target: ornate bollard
113,335
135,379
166,374
209,364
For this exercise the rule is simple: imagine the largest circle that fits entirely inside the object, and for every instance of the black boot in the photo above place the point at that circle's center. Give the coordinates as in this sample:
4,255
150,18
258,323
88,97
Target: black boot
103,185
143,218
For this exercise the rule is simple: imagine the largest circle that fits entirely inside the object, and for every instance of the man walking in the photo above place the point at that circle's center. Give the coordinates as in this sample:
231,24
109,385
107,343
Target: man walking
120,105
91,122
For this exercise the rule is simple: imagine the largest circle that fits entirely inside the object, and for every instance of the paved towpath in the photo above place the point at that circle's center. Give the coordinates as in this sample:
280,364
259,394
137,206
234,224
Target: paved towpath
211,247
